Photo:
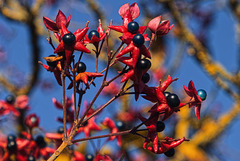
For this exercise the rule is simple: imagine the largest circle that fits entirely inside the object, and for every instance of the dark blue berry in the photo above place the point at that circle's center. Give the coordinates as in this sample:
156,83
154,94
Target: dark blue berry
52,64
85,123
11,145
31,158
143,64
138,40
60,130
133,27
11,137
160,126
170,153
120,125
10,99
173,100
69,38
202,93
40,141
93,32
145,78
89,157
166,94
81,67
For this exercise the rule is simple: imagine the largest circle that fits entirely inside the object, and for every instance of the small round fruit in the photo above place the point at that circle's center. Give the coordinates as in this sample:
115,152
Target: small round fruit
81,67
31,158
133,27
40,141
138,40
89,157
170,153
11,137
69,38
166,94
11,145
120,125
143,64
160,126
85,123
145,78
202,93
10,99
173,100
52,64
60,130
93,32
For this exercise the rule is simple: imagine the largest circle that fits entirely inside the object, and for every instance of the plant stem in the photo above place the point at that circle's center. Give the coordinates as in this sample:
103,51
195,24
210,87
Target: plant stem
64,102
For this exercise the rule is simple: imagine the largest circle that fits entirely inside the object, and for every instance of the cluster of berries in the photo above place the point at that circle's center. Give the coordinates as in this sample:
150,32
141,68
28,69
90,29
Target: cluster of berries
136,57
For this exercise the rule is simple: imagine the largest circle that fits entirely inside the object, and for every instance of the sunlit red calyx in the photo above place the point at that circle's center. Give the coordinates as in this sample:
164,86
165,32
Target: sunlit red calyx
167,144
85,77
152,135
158,27
89,127
56,26
56,71
197,101
71,42
95,36
137,52
112,126
129,13
129,27
31,121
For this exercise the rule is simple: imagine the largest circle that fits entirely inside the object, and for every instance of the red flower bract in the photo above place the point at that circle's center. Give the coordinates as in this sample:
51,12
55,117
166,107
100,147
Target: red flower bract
31,121
60,19
158,27
76,45
192,92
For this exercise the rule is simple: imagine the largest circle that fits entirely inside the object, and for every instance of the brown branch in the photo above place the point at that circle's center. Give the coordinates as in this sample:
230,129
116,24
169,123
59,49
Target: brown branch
234,5
35,51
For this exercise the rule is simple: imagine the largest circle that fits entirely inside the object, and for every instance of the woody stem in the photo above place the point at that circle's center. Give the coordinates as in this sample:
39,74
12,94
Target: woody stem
64,102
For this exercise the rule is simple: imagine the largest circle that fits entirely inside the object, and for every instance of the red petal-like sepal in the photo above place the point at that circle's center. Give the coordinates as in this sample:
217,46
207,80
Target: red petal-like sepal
121,29
80,47
126,50
50,24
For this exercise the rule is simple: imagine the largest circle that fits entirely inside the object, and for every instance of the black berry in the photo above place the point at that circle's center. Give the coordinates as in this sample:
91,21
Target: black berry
52,64
81,67
31,158
143,64
166,94
69,38
138,40
170,153
173,100
11,137
85,123
145,78
160,126
40,141
89,157
10,99
202,93
11,145
133,27
60,130
93,32
120,125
